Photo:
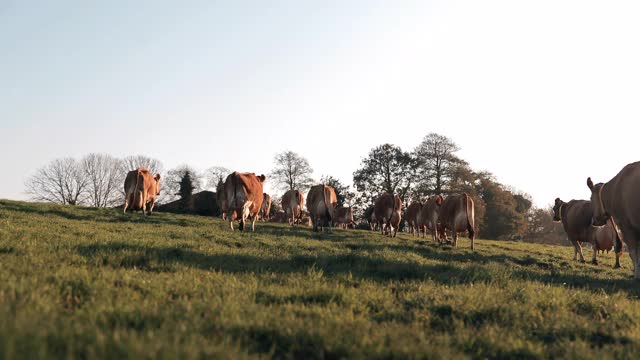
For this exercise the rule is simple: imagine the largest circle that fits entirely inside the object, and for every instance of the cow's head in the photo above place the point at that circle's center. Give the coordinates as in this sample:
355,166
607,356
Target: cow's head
557,209
439,200
157,183
261,178
600,214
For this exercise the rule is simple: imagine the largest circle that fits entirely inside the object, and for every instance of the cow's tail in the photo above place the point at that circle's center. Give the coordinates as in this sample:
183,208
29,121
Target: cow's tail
299,201
470,215
325,190
137,197
618,247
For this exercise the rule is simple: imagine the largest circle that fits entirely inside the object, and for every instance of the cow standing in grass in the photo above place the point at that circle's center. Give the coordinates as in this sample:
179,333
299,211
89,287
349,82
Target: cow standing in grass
222,201
243,192
141,188
619,199
411,217
321,203
292,204
387,210
265,209
576,218
457,213
344,217
428,218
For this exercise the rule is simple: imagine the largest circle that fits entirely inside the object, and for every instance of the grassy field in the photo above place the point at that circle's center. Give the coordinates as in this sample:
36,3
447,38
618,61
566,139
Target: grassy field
94,283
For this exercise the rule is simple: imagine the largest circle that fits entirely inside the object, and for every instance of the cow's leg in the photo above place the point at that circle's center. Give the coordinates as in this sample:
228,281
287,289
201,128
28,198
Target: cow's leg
594,260
253,223
144,206
454,235
472,235
126,203
153,204
579,249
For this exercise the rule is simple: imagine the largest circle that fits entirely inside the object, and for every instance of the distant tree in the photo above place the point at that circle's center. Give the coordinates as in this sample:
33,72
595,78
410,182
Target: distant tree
61,181
503,220
105,179
137,161
215,175
542,229
343,193
174,179
186,190
291,171
386,169
437,163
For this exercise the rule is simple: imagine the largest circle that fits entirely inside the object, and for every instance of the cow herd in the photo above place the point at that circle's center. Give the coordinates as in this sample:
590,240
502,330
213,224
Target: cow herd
609,218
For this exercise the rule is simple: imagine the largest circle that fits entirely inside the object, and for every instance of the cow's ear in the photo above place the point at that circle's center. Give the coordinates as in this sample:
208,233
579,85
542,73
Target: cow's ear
262,178
590,183
157,177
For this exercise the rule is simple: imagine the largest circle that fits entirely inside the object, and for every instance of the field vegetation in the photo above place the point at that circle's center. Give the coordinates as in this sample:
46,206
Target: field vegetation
94,283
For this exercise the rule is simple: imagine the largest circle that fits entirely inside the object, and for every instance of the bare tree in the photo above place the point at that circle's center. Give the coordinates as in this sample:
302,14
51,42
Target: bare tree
175,176
137,161
437,163
292,171
105,178
61,181
215,175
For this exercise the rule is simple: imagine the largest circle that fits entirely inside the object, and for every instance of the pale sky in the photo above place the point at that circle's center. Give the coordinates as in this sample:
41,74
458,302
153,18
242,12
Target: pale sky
540,93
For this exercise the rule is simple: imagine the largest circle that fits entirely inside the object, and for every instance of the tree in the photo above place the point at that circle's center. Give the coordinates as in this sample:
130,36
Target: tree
61,181
291,172
105,179
343,193
386,169
437,163
137,161
186,190
174,178
216,175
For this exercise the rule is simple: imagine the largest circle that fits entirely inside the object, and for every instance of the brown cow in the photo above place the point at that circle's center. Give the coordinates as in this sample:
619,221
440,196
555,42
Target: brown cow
344,217
321,203
292,204
576,217
411,217
428,218
243,192
619,199
141,188
387,210
222,201
265,209
457,213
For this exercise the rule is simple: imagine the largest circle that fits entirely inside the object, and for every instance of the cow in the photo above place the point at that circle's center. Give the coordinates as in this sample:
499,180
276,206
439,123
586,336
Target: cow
243,192
141,188
321,203
292,204
370,217
344,217
576,217
411,217
387,210
428,218
619,199
222,200
457,213
265,209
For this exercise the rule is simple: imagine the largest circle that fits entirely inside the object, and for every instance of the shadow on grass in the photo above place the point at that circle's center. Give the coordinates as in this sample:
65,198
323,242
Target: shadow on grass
360,266
91,214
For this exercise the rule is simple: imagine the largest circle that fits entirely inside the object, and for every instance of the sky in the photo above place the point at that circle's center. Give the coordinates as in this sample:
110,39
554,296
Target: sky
541,93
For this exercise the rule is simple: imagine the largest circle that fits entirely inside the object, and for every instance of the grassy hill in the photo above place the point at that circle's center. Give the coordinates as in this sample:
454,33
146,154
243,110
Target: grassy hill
94,283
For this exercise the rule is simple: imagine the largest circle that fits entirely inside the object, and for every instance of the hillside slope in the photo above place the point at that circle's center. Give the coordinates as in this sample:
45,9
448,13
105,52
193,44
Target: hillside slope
94,283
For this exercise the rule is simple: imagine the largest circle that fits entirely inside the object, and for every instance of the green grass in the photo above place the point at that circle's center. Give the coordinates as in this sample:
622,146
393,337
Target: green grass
94,283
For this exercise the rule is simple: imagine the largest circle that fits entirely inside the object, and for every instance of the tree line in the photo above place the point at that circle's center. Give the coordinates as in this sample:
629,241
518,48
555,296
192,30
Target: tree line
432,167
